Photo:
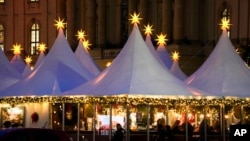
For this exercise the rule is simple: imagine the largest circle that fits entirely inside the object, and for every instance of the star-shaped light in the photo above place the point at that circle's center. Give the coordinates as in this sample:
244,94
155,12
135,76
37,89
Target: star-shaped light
108,64
161,39
60,23
42,47
225,23
17,49
28,60
86,44
135,18
175,56
148,29
81,35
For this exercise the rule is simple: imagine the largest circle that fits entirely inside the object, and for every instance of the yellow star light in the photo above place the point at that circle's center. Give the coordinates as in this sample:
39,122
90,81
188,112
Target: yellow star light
225,23
161,39
28,60
135,18
60,23
42,47
148,29
81,35
17,49
175,56
86,44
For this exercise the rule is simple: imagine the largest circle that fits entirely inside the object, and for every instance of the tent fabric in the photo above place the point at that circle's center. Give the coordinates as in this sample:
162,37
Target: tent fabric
8,74
40,59
59,71
18,63
151,47
27,70
224,73
164,55
86,59
135,71
176,71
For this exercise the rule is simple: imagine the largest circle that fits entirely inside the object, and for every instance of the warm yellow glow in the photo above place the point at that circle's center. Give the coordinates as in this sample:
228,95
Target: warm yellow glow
86,44
28,60
148,29
81,35
17,49
135,18
60,23
175,56
42,47
108,64
225,23
161,39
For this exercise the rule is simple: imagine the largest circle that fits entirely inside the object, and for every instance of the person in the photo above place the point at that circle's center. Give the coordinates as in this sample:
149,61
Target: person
160,132
202,129
176,128
7,124
169,134
189,127
118,136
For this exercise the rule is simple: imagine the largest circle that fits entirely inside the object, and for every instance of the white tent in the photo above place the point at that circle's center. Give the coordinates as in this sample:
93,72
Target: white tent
152,49
59,71
27,70
164,55
18,63
40,59
86,59
224,73
134,72
8,74
175,70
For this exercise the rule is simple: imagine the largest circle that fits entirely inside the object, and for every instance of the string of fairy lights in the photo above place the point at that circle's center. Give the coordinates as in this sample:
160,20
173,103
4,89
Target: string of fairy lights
123,99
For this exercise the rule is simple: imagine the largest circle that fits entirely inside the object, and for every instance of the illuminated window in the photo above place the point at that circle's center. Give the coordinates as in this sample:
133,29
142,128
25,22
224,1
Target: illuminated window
34,0
226,15
1,37
2,1
34,38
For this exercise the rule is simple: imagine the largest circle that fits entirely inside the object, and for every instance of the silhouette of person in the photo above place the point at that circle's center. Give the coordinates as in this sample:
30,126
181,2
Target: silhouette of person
118,136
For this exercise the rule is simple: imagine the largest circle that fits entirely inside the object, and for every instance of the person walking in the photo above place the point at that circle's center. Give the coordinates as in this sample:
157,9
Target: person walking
118,136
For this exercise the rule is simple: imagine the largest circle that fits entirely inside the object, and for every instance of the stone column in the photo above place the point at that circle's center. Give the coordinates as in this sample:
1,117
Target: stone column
144,13
91,21
70,19
178,25
131,9
167,17
101,15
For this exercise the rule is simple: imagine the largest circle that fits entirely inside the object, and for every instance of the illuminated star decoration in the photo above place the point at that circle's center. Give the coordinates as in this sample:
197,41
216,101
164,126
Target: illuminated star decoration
175,56
17,49
86,44
161,39
135,18
148,29
60,23
81,35
28,60
42,47
225,23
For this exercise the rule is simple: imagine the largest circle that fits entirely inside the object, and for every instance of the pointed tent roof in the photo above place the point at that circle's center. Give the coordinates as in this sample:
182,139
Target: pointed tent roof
27,70
87,61
8,74
152,49
135,71
224,73
18,63
176,71
163,54
40,59
59,71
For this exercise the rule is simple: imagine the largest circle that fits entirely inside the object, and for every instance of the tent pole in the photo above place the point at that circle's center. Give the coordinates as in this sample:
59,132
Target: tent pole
110,121
223,121
78,121
186,124
167,109
127,125
148,114
94,117
63,117
205,123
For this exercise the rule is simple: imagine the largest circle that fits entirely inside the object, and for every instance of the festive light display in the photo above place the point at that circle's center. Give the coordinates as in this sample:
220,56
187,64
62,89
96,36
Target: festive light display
42,47
60,23
175,56
28,59
161,39
86,44
81,35
17,49
135,18
148,29
225,23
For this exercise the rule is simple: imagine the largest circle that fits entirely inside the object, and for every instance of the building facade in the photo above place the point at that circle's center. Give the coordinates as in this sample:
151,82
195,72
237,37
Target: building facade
192,26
